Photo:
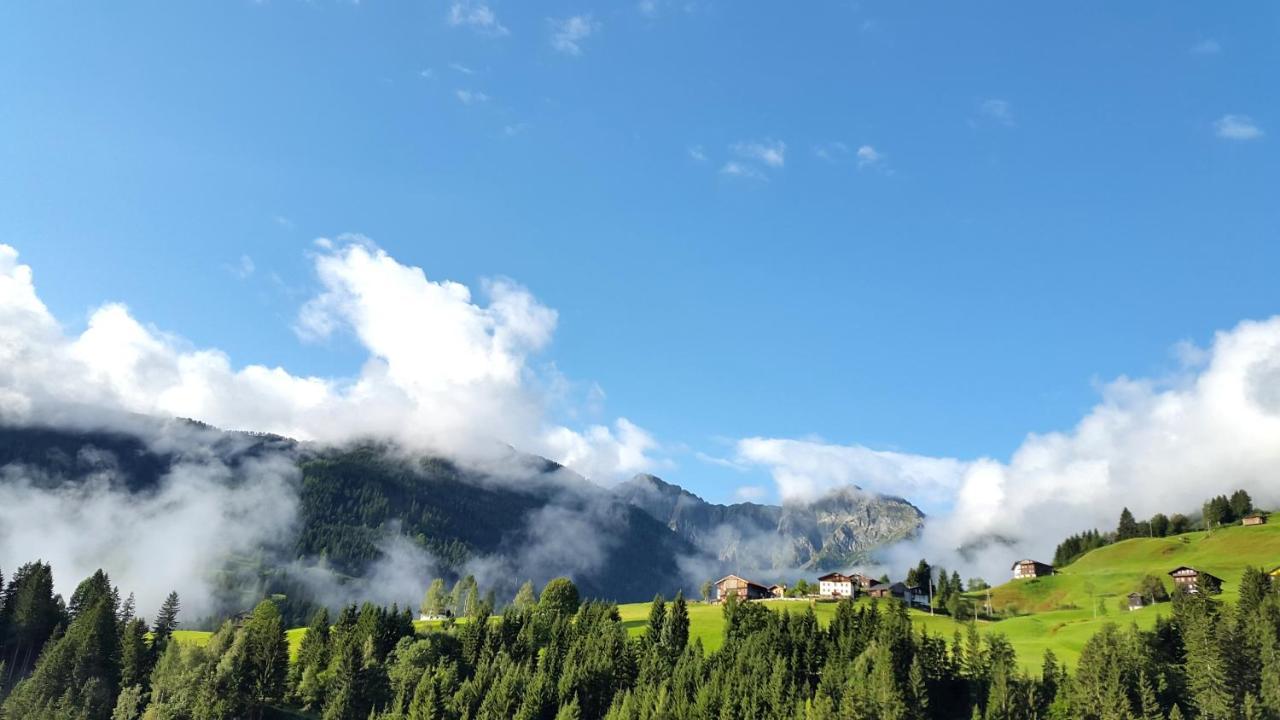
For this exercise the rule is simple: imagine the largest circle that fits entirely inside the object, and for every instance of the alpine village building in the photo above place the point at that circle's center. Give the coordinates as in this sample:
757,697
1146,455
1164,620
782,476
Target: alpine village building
1253,519
1027,569
900,591
1191,580
839,585
742,587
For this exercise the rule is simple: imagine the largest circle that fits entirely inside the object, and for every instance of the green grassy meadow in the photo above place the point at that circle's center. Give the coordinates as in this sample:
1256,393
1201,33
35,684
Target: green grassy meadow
1114,571
1056,613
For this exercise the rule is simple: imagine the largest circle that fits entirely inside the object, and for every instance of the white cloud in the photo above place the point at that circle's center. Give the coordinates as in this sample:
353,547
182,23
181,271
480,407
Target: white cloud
697,153
478,16
998,111
459,67
1237,127
773,153
426,73
806,469
1206,47
750,493
733,168
831,152
1150,445
243,268
869,156
514,129
568,34
443,372
470,97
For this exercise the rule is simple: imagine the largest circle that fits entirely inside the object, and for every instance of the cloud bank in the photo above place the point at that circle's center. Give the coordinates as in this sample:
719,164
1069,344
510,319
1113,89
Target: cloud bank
444,372
1151,445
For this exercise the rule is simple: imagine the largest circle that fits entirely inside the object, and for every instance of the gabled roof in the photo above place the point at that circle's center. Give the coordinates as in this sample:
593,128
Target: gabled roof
1028,560
1201,573
835,577
739,577
891,587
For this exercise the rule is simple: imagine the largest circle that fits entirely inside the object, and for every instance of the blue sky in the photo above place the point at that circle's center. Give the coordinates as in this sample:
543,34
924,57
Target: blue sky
932,228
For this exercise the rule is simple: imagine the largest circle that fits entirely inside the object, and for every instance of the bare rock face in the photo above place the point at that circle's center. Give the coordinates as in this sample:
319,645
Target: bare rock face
835,531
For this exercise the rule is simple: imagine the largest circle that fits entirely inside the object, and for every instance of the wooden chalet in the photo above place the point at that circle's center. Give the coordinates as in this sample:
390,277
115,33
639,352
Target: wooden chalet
899,591
778,590
1137,601
1190,580
1027,569
743,588
862,583
1253,519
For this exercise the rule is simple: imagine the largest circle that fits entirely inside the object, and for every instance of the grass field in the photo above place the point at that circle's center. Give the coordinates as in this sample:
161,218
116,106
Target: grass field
1114,571
1052,613
1063,631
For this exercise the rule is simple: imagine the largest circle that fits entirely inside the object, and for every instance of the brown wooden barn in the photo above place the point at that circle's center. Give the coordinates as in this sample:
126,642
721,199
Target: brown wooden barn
740,586
1253,519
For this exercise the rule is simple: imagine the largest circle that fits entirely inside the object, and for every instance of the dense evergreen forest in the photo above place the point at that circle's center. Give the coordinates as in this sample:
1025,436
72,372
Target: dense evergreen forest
555,657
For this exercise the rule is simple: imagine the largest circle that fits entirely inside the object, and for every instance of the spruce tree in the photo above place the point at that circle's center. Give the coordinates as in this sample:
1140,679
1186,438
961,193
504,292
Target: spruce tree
267,657
1128,527
135,656
78,675
166,623
657,617
1148,705
675,628
1241,504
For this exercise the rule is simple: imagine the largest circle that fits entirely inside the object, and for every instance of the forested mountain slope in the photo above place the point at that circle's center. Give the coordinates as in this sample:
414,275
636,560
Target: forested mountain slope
525,517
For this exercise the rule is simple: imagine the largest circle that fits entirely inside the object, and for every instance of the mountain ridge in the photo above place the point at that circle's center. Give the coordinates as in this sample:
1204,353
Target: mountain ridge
839,529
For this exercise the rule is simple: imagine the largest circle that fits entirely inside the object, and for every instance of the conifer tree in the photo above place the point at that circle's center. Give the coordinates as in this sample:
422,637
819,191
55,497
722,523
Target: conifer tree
675,628
135,656
1127,527
130,704
166,623
267,657
657,618
1241,504
78,675
1148,705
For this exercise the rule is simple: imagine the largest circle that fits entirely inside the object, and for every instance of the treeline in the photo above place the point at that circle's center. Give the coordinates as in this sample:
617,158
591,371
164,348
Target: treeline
78,659
557,658
1221,510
